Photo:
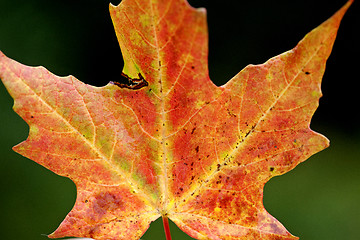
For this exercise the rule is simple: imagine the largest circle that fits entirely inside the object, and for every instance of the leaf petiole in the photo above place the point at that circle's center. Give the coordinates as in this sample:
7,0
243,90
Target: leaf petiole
166,227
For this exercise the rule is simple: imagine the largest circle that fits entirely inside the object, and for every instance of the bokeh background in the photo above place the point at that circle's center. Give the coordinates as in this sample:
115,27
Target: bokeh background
318,200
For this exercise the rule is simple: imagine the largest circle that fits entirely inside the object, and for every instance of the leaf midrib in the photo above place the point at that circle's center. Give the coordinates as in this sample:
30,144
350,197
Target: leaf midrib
164,154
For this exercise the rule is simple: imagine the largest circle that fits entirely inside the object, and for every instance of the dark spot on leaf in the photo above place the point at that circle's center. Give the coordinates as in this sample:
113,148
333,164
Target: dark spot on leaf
197,149
131,83
193,130
272,169
307,73
231,114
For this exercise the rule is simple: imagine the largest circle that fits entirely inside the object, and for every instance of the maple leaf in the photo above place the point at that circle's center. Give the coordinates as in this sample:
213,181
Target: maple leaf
169,142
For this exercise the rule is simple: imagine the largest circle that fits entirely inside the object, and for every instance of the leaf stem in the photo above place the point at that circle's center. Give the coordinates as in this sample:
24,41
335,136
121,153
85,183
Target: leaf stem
166,227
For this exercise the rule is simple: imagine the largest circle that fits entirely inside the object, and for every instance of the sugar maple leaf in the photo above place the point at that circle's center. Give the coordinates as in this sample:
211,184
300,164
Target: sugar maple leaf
169,142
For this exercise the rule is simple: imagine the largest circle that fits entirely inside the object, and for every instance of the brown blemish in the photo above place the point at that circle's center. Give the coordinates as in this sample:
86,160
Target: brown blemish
106,202
132,83
197,149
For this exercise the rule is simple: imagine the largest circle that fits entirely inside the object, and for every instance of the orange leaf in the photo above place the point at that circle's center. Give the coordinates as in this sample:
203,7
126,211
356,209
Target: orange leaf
169,142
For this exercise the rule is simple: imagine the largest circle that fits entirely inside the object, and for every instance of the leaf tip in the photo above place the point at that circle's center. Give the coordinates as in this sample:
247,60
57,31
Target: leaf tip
341,12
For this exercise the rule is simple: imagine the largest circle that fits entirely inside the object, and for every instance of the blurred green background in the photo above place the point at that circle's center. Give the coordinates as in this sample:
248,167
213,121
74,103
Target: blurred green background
318,200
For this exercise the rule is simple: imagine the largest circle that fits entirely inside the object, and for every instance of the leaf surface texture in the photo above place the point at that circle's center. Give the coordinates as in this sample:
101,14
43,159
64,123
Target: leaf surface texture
170,142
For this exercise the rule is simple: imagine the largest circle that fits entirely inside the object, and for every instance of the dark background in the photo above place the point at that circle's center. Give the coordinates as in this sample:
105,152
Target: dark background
318,200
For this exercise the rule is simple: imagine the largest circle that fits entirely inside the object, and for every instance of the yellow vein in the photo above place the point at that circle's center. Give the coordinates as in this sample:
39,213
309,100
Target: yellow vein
86,141
138,121
232,153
